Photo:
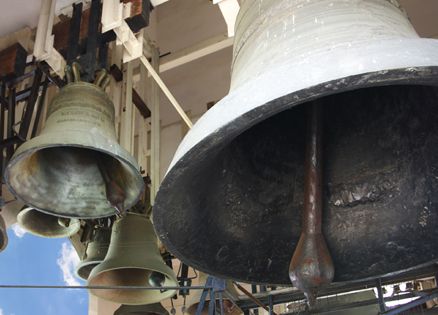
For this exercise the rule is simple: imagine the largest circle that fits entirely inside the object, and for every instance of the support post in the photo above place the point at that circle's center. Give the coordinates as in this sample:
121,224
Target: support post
126,134
154,101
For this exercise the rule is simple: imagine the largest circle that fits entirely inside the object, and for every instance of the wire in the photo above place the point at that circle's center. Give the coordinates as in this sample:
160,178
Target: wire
19,286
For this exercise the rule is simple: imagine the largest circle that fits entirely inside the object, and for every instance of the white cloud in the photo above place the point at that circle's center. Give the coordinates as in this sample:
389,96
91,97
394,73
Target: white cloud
19,232
1,312
67,262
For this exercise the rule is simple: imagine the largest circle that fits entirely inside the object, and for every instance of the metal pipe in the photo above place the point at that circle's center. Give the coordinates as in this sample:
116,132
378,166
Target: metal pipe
253,298
382,306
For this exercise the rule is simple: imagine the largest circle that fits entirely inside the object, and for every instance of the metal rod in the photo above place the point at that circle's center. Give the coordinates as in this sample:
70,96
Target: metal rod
39,109
312,215
253,298
11,120
19,286
166,91
74,32
382,306
30,106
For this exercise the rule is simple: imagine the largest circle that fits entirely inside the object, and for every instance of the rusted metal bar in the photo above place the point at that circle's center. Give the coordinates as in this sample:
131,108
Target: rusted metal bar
39,108
74,33
11,120
253,298
311,265
30,106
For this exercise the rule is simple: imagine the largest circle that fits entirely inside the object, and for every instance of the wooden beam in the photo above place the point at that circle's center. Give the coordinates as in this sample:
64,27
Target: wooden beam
13,61
140,104
140,13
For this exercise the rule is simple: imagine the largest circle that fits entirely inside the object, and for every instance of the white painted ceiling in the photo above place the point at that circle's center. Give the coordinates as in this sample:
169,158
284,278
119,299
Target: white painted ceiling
17,14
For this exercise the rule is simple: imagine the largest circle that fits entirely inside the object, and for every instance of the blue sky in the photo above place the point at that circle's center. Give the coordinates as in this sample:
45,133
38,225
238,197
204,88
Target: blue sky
31,260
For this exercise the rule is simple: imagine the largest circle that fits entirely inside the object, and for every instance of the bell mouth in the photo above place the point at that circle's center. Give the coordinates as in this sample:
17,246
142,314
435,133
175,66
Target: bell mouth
246,179
45,225
67,180
131,277
84,269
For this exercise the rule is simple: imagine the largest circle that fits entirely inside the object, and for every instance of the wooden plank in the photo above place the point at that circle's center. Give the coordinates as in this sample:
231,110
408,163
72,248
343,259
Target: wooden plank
140,104
12,61
62,29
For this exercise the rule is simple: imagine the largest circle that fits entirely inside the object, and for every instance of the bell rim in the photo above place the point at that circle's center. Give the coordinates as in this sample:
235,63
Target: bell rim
146,299
85,263
28,152
422,75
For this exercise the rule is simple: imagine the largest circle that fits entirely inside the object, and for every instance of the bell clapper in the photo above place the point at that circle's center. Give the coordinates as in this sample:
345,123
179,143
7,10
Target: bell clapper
311,265
114,193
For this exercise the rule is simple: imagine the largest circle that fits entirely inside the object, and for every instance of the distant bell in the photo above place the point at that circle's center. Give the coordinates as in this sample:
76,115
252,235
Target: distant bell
195,296
3,234
95,252
75,166
133,259
231,201
45,225
149,309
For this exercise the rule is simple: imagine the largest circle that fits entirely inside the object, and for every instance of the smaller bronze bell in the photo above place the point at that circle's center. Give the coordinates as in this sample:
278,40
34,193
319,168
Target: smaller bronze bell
95,252
46,225
133,259
3,234
195,297
149,309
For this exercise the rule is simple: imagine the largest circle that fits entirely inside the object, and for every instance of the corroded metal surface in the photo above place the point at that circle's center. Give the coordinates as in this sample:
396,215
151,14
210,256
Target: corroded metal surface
380,182
231,201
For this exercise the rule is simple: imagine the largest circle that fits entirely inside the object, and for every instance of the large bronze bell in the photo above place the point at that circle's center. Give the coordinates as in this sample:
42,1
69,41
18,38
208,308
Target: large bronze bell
232,200
75,164
133,259
195,296
46,225
95,252
148,309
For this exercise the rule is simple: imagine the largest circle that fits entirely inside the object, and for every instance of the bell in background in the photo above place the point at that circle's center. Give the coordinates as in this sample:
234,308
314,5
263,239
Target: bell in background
234,190
75,167
46,225
95,252
195,297
149,309
133,259
3,234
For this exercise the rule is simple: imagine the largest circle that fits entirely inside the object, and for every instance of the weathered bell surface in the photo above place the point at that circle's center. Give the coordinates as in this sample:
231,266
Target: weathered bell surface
3,234
133,259
95,252
46,225
148,309
229,308
232,199
67,169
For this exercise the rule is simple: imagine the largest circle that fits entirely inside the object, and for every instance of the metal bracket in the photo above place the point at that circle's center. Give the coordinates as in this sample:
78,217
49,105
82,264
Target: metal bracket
229,9
113,18
43,49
